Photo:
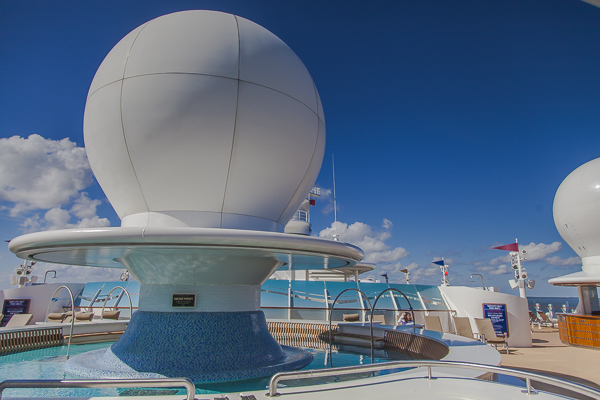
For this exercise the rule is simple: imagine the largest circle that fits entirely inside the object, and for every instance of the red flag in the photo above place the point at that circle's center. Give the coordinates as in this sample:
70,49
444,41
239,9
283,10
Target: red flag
508,247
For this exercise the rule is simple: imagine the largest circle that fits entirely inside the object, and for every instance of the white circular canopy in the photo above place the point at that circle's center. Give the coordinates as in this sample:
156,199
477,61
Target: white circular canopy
204,119
577,219
577,209
187,256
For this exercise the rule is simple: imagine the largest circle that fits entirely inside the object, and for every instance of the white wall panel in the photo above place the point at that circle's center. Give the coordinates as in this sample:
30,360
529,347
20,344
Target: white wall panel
107,151
113,66
577,209
309,178
320,107
567,193
238,221
589,191
268,61
179,130
202,42
274,142
165,141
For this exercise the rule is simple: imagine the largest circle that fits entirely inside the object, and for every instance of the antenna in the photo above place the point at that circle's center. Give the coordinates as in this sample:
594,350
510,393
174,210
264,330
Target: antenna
336,237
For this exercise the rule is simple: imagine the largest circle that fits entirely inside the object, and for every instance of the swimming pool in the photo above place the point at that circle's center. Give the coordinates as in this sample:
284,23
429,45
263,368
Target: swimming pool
47,364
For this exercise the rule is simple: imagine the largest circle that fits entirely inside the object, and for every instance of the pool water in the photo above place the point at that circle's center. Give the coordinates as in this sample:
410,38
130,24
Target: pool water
47,364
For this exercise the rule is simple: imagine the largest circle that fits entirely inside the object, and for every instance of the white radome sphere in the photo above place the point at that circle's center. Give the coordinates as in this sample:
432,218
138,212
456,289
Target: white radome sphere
577,210
204,119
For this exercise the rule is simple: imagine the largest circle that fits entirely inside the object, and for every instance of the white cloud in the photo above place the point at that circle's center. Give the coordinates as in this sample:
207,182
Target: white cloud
540,250
84,207
493,270
372,243
58,218
556,260
501,259
534,252
327,199
38,173
386,256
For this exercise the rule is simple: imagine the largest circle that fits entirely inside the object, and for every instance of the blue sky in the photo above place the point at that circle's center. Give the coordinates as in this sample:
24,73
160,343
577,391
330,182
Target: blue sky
452,122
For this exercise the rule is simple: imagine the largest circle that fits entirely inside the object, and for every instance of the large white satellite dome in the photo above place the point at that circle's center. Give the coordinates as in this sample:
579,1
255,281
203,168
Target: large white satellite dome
204,119
577,211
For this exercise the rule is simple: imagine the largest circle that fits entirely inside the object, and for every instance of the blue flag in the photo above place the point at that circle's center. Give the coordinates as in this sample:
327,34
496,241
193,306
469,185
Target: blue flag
440,262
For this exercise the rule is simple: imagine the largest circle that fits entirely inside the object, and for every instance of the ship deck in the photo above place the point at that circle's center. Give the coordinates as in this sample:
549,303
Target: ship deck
550,356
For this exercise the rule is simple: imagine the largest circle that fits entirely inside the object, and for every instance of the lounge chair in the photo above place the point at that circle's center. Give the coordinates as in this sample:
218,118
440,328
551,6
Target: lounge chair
111,314
377,318
56,317
534,320
351,317
19,320
463,327
68,317
83,316
488,335
545,320
433,323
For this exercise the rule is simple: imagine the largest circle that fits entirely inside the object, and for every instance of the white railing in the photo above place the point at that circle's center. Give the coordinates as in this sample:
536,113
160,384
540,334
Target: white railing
527,376
100,383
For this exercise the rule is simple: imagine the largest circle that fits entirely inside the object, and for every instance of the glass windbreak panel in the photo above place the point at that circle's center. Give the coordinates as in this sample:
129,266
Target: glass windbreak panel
387,300
432,297
274,293
372,290
118,298
88,293
349,299
308,294
274,298
410,291
308,300
348,305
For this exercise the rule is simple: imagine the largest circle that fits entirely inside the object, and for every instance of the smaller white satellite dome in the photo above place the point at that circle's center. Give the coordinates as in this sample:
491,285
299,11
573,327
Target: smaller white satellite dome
577,211
204,119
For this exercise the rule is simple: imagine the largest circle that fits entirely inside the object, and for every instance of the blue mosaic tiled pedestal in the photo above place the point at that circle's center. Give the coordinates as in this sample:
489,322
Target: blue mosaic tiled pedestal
202,346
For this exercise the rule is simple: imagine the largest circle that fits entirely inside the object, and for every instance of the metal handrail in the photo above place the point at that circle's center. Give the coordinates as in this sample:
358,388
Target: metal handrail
72,316
333,305
100,383
528,376
373,312
129,297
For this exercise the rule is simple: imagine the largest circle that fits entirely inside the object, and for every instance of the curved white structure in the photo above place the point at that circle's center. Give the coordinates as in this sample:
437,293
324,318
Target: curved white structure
198,121
204,119
577,219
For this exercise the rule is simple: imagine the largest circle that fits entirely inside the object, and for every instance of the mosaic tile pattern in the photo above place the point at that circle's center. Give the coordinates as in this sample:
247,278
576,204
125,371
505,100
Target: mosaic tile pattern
205,347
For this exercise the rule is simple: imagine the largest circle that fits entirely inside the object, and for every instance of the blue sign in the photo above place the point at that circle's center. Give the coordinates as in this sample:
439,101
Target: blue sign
499,317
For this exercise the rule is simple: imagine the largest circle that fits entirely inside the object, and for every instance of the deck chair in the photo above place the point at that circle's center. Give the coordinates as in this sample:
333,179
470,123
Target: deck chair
545,320
377,318
433,323
19,320
463,327
351,317
68,317
84,316
488,335
111,314
56,317
534,320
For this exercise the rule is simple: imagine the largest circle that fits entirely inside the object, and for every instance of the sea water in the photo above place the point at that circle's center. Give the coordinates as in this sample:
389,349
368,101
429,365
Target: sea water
556,302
